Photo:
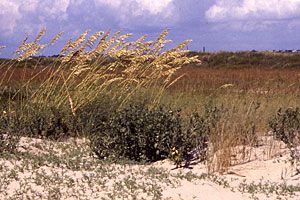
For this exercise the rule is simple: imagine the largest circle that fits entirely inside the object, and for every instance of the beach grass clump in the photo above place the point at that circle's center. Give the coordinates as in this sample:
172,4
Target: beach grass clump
233,135
100,65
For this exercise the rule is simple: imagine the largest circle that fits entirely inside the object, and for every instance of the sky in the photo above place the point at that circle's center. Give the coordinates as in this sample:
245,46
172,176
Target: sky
219,25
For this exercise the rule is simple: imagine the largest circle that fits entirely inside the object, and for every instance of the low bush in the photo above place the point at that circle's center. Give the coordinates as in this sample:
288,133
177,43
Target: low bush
138,133
11,127
200,128
51,122
286,127
93,113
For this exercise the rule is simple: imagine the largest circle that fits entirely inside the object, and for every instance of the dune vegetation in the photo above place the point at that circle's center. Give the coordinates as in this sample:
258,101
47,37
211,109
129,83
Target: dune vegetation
138,102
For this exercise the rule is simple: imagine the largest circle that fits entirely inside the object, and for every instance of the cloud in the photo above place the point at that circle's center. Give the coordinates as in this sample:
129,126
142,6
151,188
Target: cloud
29,5
226,10
30,15
111,3
54,9
153,7
136,12
9,15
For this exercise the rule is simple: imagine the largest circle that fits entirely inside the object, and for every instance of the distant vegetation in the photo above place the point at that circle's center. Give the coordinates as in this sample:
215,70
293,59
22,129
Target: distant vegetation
249,59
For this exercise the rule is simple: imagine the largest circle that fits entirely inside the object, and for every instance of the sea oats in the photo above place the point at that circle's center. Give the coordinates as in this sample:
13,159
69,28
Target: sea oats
119,42
40,35
79,40
90,42
181,46
22,47
32,50
66,47
100,47
26,50
54,40
113,62
112,40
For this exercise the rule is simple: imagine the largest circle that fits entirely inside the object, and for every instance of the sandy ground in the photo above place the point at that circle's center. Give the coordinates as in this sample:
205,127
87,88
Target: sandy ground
66,170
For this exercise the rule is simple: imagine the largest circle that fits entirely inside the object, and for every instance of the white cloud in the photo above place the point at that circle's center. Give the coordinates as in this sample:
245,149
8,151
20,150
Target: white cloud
14,13
226,10
111,3
152,6
9,15
56,7
156,6
129,9
29,5
30,15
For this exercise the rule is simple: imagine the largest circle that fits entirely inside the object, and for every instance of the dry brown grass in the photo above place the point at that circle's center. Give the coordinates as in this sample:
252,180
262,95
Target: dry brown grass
264,80
14,76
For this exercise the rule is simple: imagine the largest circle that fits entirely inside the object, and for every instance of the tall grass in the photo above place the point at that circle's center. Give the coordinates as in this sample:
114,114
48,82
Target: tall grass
104,64
99,65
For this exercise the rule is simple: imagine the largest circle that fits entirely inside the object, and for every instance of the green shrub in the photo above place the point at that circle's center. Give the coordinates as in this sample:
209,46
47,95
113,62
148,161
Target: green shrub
286,127
139,134
11,127
199,129
93,113
51,122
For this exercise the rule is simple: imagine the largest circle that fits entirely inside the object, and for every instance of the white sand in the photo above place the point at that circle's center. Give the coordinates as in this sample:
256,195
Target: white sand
26,178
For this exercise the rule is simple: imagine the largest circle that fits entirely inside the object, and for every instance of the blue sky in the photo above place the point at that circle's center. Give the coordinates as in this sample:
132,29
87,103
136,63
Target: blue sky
229,25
